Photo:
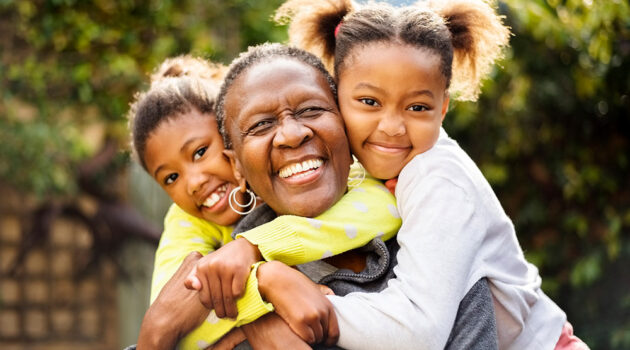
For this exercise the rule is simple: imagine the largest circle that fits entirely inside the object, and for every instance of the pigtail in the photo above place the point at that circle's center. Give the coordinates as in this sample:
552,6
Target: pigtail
479,38
186,65
312,25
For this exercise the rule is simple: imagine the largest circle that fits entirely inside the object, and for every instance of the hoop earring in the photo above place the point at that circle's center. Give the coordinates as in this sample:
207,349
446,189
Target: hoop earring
251,204
356,181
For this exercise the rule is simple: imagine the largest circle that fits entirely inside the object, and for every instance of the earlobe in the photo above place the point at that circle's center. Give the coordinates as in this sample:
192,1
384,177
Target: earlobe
236,169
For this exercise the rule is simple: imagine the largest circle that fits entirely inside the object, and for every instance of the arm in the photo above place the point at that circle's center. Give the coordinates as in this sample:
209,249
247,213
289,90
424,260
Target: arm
271,332
161,328
363,213
438,241
184,234
299,301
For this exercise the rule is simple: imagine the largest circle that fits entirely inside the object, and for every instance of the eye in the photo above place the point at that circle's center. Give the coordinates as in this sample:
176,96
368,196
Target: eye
200,152
260,127
310,112
170,178
369,102
418,108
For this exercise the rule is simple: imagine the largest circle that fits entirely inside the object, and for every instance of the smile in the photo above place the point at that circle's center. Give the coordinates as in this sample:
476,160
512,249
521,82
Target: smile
388,148
215,196
300,169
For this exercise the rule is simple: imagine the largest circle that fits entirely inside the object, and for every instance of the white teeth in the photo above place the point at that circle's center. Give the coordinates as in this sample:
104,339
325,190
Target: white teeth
215,196
292,169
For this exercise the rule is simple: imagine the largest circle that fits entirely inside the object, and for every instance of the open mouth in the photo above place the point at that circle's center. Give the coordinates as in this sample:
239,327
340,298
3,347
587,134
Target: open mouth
215,196
297,170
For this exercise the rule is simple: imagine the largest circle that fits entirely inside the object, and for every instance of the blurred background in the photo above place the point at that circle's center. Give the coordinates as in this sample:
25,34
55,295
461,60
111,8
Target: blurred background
79,221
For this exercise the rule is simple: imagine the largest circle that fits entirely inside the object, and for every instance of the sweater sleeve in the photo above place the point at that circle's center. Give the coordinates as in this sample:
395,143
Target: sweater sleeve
418,308
183,234
365,212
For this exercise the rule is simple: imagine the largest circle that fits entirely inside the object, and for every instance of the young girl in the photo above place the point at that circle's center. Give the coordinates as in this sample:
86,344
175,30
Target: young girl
176,140
396,69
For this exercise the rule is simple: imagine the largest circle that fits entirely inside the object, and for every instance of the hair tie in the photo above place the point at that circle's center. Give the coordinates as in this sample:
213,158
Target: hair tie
337,29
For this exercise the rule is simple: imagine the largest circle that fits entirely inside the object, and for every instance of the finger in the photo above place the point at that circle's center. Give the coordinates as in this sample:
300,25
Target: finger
325,290
228,299
304,331
192,281
204,294
333,329
318,328
216,293
238,284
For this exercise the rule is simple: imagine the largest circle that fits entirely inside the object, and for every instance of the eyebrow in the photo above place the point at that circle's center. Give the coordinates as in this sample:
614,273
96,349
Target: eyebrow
157,170
412,93
188,142
368,86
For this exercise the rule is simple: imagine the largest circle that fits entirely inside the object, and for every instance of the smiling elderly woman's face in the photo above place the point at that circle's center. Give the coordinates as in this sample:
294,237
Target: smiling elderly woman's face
288,138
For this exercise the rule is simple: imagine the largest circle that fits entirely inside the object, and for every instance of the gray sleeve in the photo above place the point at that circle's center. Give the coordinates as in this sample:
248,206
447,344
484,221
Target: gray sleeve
475,325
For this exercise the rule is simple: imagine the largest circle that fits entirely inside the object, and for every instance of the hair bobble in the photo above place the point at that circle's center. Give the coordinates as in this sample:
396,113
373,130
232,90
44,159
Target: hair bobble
337,29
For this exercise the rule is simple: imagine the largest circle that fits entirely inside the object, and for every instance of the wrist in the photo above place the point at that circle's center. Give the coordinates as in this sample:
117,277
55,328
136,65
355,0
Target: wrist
265,276
252,249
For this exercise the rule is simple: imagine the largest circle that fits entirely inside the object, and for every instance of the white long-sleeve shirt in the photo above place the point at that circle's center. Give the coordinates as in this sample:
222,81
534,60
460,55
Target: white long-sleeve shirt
454,232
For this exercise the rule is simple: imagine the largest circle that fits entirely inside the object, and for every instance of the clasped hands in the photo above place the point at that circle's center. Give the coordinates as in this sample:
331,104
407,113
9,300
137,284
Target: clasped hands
220,279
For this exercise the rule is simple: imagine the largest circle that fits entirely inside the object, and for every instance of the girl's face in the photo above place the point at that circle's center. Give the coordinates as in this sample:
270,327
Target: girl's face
288,138
184,155
393,100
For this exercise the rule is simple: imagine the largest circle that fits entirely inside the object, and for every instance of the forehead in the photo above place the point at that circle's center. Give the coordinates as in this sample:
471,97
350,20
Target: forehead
393,59
276,79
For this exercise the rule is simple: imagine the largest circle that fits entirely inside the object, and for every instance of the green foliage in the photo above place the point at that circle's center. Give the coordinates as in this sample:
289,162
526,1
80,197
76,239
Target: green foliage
551,132
69,68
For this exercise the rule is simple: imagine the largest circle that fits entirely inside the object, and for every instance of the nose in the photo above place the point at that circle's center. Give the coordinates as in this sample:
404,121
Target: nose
196,179
291,133
392,124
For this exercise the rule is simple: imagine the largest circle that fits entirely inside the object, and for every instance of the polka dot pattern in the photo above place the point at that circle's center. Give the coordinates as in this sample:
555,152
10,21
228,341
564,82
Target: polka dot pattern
184,223
327,254
212,318
351,231
198,240
360,207
202,344
315,223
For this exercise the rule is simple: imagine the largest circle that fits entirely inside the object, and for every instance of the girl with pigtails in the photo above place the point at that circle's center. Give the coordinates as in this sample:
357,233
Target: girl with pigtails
396,70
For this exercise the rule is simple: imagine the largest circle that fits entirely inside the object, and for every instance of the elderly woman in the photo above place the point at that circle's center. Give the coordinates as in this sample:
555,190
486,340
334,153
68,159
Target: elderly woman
277,107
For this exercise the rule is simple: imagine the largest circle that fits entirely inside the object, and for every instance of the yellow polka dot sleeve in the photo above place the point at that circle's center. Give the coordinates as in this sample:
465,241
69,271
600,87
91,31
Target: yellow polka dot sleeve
365,212
183,234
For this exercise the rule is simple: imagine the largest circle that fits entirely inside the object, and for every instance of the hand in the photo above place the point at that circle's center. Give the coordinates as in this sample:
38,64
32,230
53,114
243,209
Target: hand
175,312
299,301
221,276
229,341
271,332
325,289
